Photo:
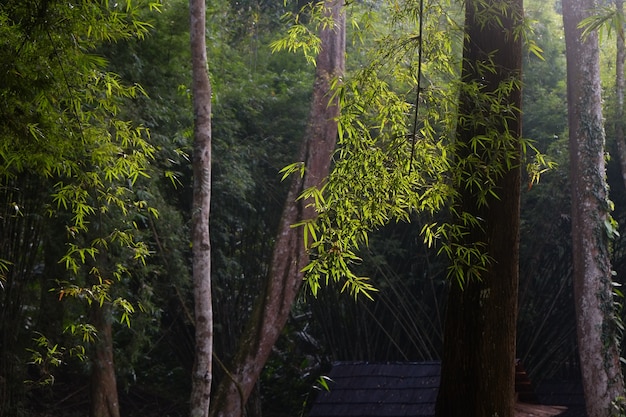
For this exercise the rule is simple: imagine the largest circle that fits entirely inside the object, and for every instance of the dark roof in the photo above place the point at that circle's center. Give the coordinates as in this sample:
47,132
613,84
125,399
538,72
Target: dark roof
382,390
361,389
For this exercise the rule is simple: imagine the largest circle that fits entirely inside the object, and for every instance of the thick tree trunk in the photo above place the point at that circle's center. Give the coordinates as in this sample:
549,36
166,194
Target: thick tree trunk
104,399
478,363
203,311
289,257
596,328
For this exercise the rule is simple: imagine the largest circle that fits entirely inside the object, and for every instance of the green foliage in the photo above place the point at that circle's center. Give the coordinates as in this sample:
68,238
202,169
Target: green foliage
60,111
490,154
375,180
538,164
603,20
301,38
383,185
322,382
303,27
61,123
59,106
47,356
386,169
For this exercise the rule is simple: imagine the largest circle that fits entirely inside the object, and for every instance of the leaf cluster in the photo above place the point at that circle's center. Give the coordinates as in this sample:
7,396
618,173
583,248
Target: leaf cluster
302,29
382,171
60,121
387,169
47,355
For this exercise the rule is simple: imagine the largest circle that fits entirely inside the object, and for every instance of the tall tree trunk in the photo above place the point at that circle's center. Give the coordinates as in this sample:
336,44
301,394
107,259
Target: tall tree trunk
596,327
203,309
289,257
104,399
478,362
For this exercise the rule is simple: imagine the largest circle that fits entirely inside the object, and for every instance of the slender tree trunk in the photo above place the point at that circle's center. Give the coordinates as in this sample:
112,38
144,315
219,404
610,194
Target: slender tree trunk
289,256
104,399
478,362
596,327
203,311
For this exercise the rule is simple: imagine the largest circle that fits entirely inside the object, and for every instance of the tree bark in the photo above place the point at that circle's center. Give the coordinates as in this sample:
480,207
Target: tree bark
104,398
203,310
478,361
593,293
289,257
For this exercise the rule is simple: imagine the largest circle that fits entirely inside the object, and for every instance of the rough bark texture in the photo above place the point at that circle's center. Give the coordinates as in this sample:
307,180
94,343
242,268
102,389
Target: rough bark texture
104,399
478,361
599,353
203,311
289,256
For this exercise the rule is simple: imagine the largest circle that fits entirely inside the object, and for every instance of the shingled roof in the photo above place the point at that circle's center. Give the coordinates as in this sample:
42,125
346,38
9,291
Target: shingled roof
361,389
381,390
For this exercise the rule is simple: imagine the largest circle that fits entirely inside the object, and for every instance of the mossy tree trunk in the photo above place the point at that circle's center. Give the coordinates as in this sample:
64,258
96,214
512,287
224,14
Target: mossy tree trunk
289,257
591,223
478,361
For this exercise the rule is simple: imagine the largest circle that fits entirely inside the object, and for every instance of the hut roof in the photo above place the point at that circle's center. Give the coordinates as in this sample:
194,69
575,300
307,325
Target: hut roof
381,390
362,389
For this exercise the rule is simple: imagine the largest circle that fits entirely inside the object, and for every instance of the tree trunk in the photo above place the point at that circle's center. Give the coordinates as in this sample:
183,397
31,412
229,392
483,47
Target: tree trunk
104,399
289,257
595,316
478,361
203,311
